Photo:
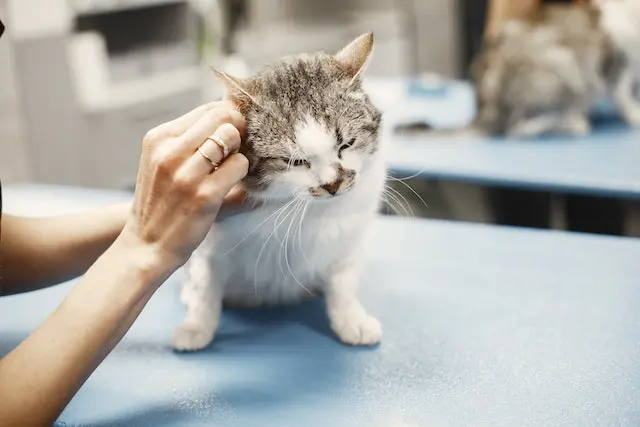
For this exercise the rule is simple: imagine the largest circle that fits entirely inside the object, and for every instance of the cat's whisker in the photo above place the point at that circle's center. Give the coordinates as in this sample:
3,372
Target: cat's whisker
387,203
397,206
283,243
406,178
410,189
390,205
277,225
402,198
264,245
286,258
302,217
303,205
398,201
255,275
257,227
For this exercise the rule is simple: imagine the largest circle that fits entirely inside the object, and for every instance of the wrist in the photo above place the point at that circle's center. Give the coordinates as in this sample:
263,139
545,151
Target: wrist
150,262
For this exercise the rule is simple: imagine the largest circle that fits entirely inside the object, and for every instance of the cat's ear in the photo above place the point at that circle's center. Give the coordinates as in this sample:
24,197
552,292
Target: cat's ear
353,57
237,90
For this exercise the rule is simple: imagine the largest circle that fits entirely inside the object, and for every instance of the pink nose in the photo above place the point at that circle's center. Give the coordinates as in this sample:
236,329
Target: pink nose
333,187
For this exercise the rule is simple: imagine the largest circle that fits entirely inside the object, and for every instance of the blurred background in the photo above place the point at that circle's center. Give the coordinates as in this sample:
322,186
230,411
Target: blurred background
82,81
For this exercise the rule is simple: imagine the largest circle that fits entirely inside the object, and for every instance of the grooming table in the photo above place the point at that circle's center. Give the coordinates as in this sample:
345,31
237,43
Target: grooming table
606,163
484,326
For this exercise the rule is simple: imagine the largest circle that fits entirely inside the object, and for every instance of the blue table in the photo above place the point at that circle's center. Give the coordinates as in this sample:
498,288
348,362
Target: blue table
484,326
606,163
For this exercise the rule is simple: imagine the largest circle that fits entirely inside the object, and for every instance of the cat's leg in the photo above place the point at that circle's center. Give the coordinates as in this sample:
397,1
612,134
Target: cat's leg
626,99
349,320
202,295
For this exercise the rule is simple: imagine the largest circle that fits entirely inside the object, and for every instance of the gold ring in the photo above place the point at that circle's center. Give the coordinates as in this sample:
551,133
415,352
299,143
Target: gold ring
220,143
214,164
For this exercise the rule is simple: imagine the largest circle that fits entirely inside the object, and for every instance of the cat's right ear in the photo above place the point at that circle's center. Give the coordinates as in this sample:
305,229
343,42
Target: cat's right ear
238,90
353,57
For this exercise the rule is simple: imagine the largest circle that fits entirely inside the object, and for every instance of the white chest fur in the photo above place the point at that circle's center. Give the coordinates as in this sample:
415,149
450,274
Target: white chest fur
279,254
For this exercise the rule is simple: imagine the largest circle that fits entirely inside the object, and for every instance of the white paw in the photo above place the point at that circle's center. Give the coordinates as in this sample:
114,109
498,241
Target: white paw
192,337
356,327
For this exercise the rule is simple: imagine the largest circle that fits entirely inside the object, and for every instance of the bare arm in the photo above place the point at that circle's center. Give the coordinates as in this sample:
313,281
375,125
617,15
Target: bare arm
43,373
40,252
178,196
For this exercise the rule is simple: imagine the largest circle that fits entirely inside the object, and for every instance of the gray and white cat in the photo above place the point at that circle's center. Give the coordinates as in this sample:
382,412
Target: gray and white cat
546,75
317,168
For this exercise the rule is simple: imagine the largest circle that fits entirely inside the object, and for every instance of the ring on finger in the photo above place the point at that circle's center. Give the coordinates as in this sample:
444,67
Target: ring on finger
202,153
220,142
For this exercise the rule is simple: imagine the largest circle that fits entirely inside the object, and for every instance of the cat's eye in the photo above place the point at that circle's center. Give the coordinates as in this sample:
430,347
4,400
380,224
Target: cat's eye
296,162
346,145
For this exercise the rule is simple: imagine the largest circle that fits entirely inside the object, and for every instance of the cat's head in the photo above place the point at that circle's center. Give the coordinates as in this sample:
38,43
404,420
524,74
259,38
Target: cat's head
311,129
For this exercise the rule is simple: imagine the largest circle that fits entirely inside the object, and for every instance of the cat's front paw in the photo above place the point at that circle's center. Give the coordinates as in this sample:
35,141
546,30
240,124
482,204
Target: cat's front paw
190,336
356,327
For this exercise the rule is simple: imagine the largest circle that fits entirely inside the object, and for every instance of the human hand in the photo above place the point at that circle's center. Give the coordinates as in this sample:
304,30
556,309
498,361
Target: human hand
178,192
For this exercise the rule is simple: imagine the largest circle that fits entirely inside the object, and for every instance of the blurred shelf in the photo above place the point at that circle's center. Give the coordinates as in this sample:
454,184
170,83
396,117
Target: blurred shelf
143,90
114,70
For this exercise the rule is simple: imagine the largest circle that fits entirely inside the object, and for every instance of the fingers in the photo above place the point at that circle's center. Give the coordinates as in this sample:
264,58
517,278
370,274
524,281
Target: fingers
237,196
203,162
180,125
217,185
208,123
189,159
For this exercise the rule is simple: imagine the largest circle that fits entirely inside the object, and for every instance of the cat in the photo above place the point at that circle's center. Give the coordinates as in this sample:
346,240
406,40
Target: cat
317,168
548,73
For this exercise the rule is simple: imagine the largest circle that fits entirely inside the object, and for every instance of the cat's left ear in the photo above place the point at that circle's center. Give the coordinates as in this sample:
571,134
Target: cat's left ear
353,57
237,90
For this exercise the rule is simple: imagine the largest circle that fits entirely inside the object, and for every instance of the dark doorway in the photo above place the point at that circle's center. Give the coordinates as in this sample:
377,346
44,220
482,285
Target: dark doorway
473,15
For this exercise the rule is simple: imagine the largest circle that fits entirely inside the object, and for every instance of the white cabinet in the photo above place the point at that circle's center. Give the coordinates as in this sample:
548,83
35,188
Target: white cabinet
92,87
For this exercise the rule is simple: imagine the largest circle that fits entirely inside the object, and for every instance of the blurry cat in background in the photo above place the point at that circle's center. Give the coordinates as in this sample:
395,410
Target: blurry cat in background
546,74
317,168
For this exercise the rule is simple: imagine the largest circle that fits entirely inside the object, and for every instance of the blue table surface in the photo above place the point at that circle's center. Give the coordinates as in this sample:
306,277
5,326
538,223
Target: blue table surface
605,163
484,326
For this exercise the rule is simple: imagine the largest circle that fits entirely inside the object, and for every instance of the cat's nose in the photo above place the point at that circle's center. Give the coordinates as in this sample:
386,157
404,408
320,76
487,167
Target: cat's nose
333,187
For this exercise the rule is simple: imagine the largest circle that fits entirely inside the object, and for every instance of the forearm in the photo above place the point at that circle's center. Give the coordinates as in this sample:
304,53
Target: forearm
39,252
39,377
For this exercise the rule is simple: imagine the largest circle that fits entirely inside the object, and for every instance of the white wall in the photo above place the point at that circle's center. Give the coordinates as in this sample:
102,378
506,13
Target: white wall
412,35
438,36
